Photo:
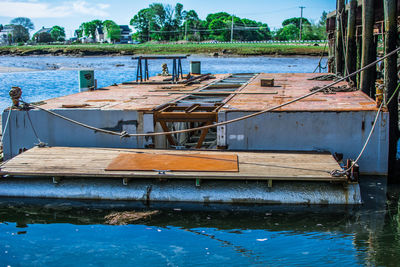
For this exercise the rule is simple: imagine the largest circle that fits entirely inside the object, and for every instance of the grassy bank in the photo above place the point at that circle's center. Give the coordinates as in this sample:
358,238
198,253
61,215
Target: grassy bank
246,49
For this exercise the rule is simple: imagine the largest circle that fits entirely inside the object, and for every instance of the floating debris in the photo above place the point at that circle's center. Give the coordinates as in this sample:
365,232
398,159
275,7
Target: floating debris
126,217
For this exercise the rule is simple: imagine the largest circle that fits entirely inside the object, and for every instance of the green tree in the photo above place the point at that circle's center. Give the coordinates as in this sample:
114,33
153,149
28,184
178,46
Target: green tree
219,15
288,32
24,22
78,33
89,28
296,22
219,29
1,27
57,33
159,22
43,37
112,30
192,23
144,22
20,34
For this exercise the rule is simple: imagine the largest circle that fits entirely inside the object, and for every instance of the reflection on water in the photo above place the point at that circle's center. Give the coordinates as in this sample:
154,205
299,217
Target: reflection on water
50,232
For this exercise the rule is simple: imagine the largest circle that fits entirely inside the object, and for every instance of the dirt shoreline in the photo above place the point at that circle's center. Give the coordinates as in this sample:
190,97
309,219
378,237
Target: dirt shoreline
119,50
6,69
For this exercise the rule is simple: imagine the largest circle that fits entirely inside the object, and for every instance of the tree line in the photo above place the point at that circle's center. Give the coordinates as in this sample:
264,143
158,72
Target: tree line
18,32
166,23
161,22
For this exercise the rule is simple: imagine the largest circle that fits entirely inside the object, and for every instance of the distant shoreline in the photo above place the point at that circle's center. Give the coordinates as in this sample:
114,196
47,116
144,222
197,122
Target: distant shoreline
5,69
226,49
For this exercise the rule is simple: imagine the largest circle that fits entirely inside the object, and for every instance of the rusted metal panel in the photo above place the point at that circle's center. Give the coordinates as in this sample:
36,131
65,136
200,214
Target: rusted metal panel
174,162
292,85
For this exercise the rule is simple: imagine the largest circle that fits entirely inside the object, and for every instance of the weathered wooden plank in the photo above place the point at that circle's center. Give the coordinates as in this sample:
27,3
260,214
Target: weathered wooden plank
92,162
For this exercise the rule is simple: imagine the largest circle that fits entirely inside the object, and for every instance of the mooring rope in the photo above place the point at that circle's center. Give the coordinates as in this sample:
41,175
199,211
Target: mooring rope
344,171
320,59
124,134
5,127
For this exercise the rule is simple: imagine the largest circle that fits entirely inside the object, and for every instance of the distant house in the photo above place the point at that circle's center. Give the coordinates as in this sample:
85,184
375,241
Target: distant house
125,34
99,35
39,34
5,35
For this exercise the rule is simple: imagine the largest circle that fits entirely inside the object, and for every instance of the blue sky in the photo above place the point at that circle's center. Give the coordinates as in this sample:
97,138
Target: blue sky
71,13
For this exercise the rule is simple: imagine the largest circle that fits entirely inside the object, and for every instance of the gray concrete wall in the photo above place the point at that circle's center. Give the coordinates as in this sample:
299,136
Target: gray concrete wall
57,132
341,132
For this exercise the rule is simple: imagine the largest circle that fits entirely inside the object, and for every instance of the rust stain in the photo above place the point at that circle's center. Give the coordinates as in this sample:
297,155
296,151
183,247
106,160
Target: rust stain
75,106
101,100
174,162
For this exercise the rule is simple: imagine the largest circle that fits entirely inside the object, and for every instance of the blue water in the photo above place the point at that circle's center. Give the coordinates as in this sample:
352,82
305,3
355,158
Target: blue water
129,245
63,234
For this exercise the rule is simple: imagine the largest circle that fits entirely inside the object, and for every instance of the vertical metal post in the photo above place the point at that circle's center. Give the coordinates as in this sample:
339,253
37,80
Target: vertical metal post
351,50
301,22
173,70
180,72
390,74
340,11
146,69
367,53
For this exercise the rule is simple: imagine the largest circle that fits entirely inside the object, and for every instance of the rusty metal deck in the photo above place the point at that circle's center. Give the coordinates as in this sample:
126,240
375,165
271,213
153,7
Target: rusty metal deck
250,97
292,85
93,162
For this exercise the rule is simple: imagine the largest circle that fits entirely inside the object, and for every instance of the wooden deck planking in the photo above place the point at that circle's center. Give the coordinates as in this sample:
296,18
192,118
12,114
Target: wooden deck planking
92,162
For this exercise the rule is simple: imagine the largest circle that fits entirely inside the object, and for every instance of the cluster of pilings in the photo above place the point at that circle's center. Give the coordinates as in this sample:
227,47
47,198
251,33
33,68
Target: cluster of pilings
358,32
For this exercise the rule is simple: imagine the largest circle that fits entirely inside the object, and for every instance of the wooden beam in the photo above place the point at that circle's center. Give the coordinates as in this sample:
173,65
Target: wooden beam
351,49
169,137
359,54
340,19
202,136
367,55
390,74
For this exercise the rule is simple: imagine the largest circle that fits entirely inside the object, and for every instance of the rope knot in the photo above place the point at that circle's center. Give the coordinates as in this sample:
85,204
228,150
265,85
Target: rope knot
124,134
337,173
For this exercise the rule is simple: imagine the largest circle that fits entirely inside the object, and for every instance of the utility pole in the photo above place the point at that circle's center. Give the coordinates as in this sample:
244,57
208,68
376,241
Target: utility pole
185,30
232,30
148,35
301,22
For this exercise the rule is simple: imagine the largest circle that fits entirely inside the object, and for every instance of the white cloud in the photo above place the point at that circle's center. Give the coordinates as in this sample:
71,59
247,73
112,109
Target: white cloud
35,9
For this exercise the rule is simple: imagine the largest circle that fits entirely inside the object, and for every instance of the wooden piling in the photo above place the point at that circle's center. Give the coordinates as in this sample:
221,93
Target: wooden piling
367,81
359,54
340,19
390,74
351,49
